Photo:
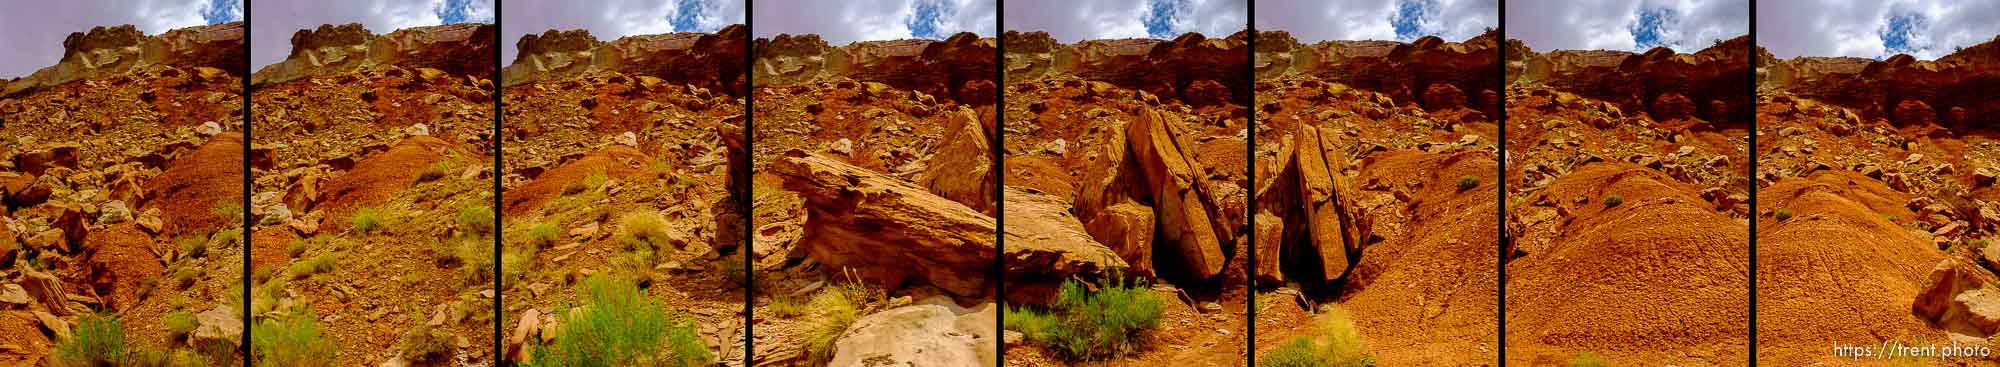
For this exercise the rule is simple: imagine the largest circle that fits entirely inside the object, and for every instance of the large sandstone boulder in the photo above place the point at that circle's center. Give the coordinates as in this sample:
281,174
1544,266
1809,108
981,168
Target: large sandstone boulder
933,333
1960,297
1047,245
888,231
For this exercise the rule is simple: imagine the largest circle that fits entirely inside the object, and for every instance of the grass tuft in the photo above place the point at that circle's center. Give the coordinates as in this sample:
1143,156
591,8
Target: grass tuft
1784,214
621,326
1613,201
98,340
293,341
1467,182
839,306
1588,359
476,219
425,344
179,323
435,171
1337,345
647,227
1083,325
367,220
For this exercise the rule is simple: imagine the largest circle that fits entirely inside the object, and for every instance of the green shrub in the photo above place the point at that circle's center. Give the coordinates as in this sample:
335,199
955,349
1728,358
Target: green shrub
1467,182
1784,214
297,248
1338,344
425,344
435,171
1090,326
1587,359
1613,201
648,227
194,247
367,220
620,326
322,264
543,234
838,307
786,307
230,211
179,323
191,358
476,219
186,276
293,341
98,340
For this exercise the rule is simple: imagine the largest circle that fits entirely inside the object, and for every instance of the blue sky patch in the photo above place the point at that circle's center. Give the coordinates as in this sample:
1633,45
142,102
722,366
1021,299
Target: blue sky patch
926,16
1901,35
222,11
1410,16
1651,29
454,11
1161,16
686,20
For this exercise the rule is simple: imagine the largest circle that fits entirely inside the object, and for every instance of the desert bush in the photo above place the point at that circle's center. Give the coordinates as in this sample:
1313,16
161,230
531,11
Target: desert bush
322,264
179,323
425,344
543,234
366,220
1338,344
1467,182
194,247
1090,326
621,326
1587,359
230,211
97,340
838,306
476,219
646,226
1613,201
786,307
186,276
296,340
435,171
1783,214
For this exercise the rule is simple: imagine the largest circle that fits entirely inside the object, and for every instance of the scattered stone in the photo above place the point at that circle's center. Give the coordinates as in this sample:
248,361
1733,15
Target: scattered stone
935,333
844,147
628,139
418,129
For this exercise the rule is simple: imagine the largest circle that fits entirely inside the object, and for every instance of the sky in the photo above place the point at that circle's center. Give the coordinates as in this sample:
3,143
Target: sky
273,21
1874,29
1070,21
610,19
843,22
1398,20
1626,25
36,28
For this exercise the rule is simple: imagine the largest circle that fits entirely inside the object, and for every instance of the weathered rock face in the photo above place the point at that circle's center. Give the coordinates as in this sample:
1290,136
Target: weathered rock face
1045,245
457,49
1635,81
962,170
107,51
706,60
1967,79
888,231
936,333
1192,68
1316,229
1441,74
939,68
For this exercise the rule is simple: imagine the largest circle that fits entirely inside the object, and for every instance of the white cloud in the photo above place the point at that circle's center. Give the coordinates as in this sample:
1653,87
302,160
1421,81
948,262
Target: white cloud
35,28
1603,25
1314,21
1070,21
1850,27
843,22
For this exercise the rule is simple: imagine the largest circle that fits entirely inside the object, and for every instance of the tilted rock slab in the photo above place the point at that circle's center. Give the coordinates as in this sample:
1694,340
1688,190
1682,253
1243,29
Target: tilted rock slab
1184,208
1046,245
962,167
888,231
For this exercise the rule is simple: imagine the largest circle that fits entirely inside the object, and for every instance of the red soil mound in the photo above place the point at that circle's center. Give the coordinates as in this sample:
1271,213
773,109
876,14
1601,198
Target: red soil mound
1837,271
614,162
375,180
1431,298
1660,277
197,183
123,259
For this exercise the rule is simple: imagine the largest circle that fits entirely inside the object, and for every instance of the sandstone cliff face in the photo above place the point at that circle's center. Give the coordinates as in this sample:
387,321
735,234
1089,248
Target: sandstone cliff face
1188,68
1956,90
457,49
107,51
960,68
1441,74
1709,84
706,60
